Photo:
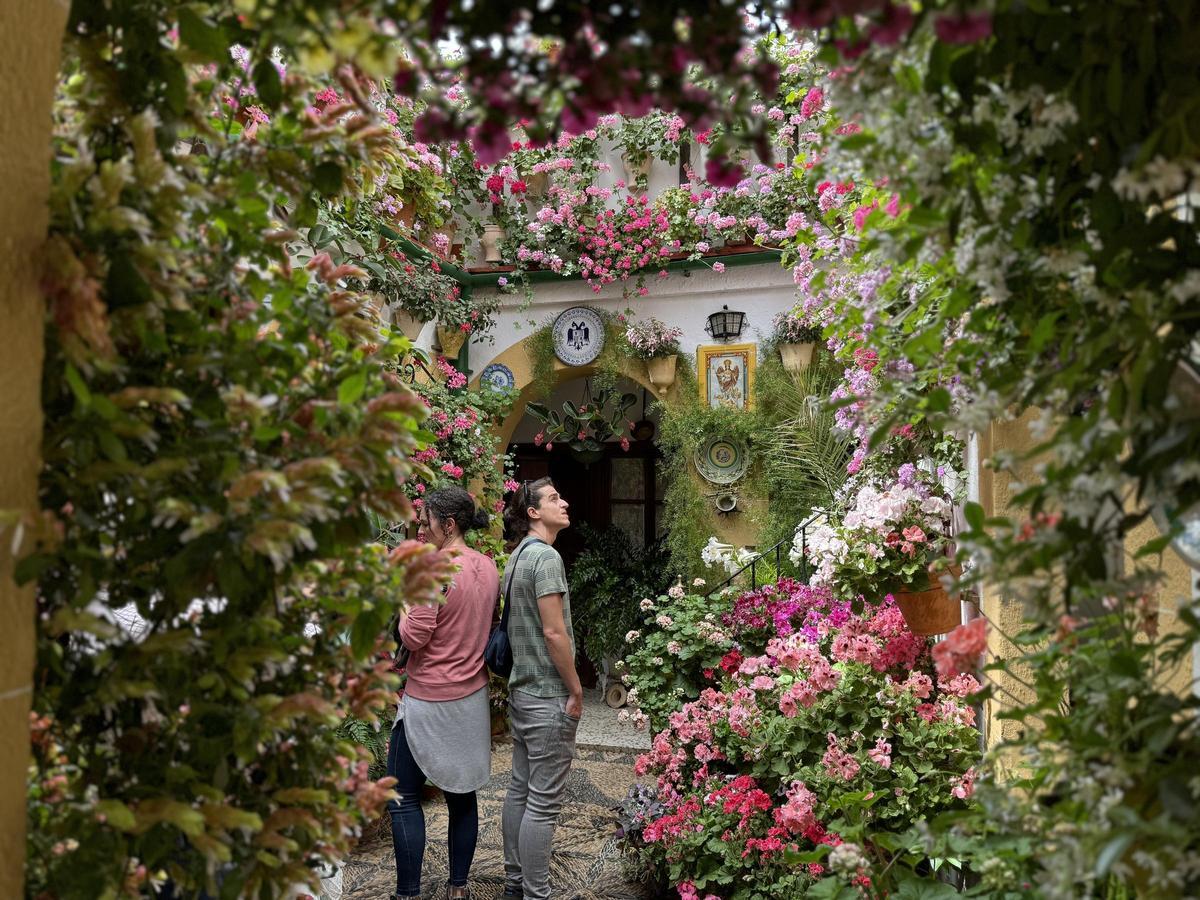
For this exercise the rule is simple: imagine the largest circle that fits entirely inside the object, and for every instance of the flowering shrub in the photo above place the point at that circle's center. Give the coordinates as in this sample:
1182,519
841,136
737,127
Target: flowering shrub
674,655
651,338
885,542
795,327
465,451
836,732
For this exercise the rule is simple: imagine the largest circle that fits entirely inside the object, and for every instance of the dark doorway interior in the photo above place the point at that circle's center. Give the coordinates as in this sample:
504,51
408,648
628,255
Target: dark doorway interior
624,488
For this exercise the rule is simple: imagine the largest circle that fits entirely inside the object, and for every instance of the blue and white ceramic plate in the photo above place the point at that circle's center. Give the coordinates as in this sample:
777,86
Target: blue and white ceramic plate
578,335
498,377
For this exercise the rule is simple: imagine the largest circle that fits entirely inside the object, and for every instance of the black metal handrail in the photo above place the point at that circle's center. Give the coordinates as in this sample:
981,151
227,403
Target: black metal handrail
777,550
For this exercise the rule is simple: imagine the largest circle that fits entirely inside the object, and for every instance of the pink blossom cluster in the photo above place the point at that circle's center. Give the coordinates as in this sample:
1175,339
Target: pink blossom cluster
454,378
650,338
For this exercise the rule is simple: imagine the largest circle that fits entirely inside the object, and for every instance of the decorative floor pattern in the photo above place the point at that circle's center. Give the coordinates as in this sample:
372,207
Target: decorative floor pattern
600,727
586,865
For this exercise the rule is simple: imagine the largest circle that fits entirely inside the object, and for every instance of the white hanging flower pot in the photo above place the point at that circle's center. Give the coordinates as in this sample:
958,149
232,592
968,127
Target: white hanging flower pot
661,370
796,357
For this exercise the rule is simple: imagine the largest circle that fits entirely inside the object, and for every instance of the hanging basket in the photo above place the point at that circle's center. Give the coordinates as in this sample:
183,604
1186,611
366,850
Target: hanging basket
796,357
451,341
930,612
587,457
661,370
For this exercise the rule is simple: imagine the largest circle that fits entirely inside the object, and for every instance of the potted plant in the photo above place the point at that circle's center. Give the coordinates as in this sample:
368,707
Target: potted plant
644,139
585,428
733,206
796,334
680,206
892,540
658,344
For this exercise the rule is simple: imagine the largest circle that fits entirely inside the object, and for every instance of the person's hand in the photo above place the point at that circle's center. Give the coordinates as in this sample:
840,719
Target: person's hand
575,706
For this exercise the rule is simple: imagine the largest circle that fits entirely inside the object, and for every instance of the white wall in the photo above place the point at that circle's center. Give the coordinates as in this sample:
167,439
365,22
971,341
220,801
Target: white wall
760,291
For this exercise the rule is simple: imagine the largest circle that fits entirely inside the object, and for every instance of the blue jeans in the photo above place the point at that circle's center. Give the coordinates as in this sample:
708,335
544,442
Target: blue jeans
408,821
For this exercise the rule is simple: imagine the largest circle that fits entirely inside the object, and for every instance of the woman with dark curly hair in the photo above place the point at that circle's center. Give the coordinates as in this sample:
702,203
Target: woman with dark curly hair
443,723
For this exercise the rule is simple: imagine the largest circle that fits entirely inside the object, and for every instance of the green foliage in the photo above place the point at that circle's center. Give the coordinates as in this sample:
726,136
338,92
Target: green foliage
1021,275
608,580
680,640
683,425
220,429
803,457
585,428
373,736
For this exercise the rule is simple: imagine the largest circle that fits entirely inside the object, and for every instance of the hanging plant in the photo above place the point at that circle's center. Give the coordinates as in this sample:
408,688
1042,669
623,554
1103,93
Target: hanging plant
585,428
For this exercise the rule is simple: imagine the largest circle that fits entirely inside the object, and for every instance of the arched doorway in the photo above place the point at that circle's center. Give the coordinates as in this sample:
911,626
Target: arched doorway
622,488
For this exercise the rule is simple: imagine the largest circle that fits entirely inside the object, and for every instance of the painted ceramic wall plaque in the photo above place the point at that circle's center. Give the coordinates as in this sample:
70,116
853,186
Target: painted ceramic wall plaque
727,375
498,377
578,336
722,460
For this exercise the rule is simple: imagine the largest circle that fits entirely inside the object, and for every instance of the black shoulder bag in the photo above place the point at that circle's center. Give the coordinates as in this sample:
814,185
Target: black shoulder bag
498,652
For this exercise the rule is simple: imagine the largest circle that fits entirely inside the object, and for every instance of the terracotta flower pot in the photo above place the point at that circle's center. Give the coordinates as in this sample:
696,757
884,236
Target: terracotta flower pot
451,340
796,357
662,372
405,218
492,236
933,611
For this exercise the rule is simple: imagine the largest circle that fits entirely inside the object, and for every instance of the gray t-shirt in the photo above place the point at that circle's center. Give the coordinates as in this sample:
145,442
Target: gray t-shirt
539,572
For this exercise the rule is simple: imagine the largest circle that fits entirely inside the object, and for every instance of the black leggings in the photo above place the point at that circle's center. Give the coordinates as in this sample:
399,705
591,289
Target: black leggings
408,821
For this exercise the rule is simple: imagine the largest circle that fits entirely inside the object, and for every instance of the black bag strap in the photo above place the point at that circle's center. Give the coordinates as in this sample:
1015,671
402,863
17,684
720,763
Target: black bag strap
512,574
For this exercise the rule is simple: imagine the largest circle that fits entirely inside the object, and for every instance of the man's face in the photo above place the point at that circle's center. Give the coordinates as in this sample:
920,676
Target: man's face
552,508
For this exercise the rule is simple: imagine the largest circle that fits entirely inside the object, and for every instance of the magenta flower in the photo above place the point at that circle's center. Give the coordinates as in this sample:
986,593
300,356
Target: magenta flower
965,29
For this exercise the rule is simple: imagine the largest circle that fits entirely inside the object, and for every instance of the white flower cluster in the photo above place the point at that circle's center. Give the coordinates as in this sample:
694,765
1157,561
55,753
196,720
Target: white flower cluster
848,858
725,555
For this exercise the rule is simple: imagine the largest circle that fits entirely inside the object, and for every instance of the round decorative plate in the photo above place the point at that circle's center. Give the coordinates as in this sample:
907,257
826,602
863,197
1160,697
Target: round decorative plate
578,335
498,377
722,460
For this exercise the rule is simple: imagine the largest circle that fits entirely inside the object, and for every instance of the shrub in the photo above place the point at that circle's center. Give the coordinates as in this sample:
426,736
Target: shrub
837,736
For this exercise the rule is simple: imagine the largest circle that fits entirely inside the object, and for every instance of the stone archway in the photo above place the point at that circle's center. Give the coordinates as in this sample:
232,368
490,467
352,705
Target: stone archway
519,361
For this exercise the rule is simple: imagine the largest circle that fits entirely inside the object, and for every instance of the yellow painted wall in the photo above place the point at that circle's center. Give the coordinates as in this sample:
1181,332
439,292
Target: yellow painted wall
30,37
740,529
1005,610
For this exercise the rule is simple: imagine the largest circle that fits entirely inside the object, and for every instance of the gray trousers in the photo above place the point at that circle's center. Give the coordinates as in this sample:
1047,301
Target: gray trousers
543,747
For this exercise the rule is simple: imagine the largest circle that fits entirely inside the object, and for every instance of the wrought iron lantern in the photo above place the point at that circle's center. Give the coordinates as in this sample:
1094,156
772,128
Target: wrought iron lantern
725,325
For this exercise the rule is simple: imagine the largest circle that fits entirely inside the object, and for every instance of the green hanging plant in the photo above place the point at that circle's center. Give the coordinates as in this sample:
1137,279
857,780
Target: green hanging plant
586,427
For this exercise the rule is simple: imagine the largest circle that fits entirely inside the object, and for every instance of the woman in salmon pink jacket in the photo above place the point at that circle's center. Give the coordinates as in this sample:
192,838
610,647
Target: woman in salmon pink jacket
443,723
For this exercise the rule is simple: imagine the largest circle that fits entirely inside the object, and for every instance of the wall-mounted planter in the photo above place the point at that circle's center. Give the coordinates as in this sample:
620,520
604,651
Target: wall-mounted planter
492,236
636,171
796,357
451,340
661,370
410,326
